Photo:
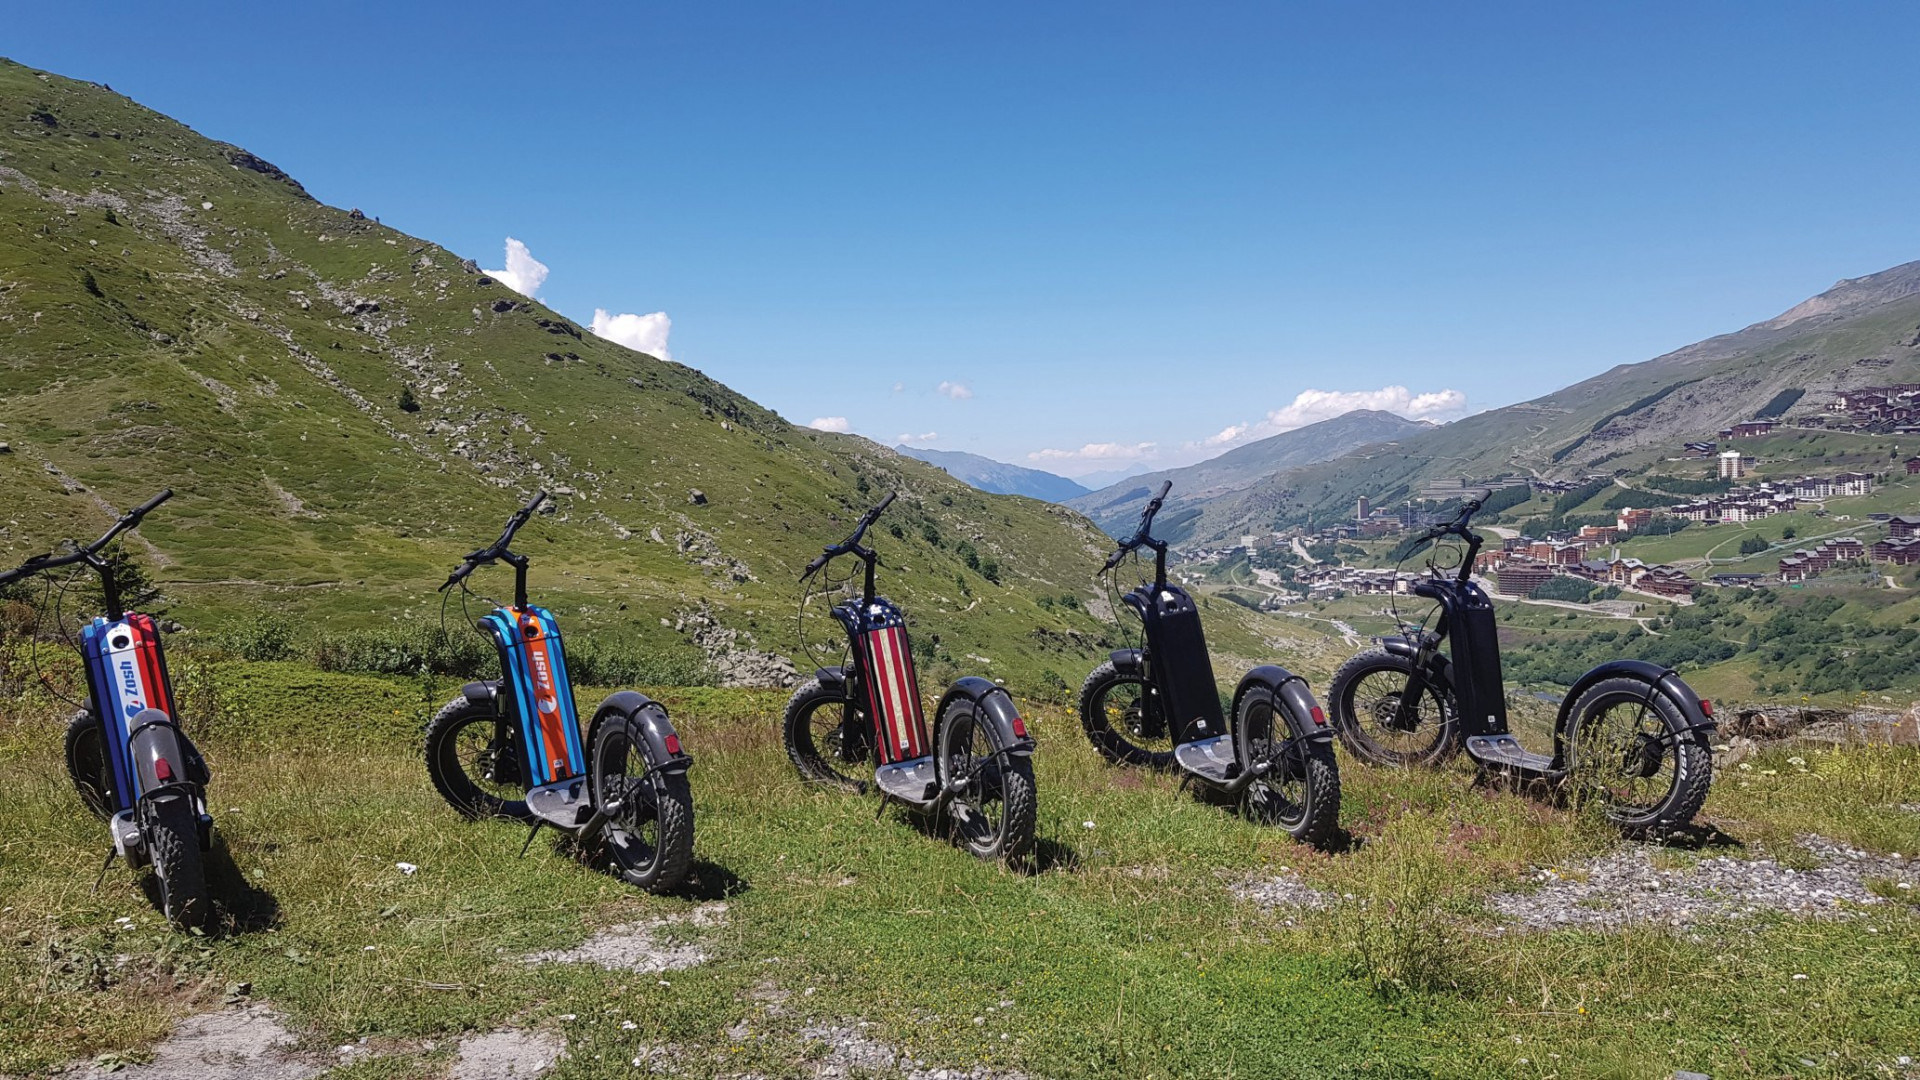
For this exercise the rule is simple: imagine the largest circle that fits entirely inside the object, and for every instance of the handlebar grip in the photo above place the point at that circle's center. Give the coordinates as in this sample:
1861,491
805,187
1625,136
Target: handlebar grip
150,504
886,502
457,576
1165,486
814,567
538,498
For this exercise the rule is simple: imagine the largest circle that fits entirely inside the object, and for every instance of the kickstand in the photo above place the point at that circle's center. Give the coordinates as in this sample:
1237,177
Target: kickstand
531,833
112,853
882,812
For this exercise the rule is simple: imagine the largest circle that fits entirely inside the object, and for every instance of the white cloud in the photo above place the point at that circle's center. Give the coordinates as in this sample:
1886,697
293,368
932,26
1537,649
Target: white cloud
925,437
1313,406
1096,452
954,390
899,388
831,423
641,333
524,273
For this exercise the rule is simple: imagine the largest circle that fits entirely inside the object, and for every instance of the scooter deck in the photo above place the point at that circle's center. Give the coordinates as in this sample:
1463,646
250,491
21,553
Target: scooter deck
565,804
1505,752
1211,760
909,781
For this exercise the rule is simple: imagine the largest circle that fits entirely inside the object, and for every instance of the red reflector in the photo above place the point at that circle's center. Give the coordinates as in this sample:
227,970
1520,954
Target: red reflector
162,771
1706,707
673,744
1319,717
1019,727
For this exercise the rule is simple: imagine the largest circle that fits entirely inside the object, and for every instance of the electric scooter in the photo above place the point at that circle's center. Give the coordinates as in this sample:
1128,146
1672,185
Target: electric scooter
862,721
132,765
1158,706
623,787
1630,734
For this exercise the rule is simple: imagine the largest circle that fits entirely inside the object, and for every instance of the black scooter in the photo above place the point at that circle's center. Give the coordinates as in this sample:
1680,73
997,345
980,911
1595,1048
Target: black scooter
1276,759
1630,734
862,722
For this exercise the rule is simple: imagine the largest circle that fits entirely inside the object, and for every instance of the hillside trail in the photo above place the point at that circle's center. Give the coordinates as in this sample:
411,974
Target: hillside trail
1645,621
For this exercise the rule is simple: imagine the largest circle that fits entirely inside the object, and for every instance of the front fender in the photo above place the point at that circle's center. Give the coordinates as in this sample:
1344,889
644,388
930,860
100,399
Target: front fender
995,707
658,736
1699,715
1304,716
1128,662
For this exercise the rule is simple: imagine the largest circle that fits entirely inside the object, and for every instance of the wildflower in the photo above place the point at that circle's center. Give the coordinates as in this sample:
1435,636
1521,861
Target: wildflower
406,868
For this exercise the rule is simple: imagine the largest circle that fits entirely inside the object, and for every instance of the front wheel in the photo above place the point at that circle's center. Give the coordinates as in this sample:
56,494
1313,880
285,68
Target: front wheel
993,808
1121,716
1629,751
1300,791
823,739
649,830
173,837
87,764
1382,720
474,764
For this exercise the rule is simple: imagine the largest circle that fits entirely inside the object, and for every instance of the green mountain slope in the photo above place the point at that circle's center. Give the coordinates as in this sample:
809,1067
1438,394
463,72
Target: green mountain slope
1864,331
1117,507
177,312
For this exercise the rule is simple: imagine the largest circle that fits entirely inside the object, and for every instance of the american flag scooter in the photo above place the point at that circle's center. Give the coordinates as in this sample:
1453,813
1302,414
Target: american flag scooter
976,769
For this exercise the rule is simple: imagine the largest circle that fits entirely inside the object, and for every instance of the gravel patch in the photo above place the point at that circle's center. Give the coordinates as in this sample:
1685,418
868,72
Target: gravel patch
851,1051
638,947
1283,892
1625,888
236,1044
507,1055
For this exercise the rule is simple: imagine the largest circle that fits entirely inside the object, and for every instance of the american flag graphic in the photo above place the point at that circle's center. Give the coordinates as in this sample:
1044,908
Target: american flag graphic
895,695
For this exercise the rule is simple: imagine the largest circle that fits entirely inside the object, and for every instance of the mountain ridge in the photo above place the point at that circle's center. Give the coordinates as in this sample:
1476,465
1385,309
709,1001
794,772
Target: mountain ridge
997,477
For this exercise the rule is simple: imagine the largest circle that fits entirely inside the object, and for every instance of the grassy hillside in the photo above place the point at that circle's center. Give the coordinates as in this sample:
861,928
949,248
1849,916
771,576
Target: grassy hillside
345,409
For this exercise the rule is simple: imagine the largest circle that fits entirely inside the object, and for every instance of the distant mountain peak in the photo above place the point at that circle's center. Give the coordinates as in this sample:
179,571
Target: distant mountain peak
1849,295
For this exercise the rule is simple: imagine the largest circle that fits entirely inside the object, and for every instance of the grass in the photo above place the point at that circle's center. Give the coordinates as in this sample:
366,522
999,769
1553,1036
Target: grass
1124,952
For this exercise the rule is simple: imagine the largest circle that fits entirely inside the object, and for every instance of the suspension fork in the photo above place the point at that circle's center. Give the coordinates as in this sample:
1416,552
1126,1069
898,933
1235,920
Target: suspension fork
1406,713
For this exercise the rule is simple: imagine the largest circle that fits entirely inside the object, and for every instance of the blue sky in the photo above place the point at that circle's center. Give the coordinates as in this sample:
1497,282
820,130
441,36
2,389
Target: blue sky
1115,231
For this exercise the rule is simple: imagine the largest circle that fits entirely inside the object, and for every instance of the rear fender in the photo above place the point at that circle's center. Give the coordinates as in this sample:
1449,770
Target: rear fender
162,761
1290,692
658,737
1699,721
995,707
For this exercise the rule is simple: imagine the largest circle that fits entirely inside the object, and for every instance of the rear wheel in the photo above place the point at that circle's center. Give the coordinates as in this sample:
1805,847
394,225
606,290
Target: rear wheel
1629,751
474,764
173,838
993,811
1379,724
823,741
88,766
649,830
1300,792
1122,718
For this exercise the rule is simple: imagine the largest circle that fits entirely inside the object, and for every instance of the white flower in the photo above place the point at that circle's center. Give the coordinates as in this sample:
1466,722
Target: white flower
628,1025
405,867
1799,977
1087,824
1797,761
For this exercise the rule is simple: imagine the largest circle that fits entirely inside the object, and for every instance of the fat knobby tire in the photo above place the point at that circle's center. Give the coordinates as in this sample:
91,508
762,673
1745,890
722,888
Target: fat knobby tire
449,773
1346,724
809,697
173,838
1019,806
1111,744
1693,762
87,764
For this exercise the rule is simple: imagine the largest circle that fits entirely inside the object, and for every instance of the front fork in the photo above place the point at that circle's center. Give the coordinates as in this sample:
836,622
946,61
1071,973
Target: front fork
1406,713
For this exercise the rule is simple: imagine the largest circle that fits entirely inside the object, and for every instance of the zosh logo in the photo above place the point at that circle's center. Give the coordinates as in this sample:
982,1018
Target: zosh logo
543,684
130,687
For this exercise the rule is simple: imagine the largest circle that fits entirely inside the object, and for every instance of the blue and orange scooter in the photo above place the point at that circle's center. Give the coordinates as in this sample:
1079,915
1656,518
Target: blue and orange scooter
512,747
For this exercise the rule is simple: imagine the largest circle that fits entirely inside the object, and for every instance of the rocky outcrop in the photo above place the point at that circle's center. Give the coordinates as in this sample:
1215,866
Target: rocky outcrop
729,652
